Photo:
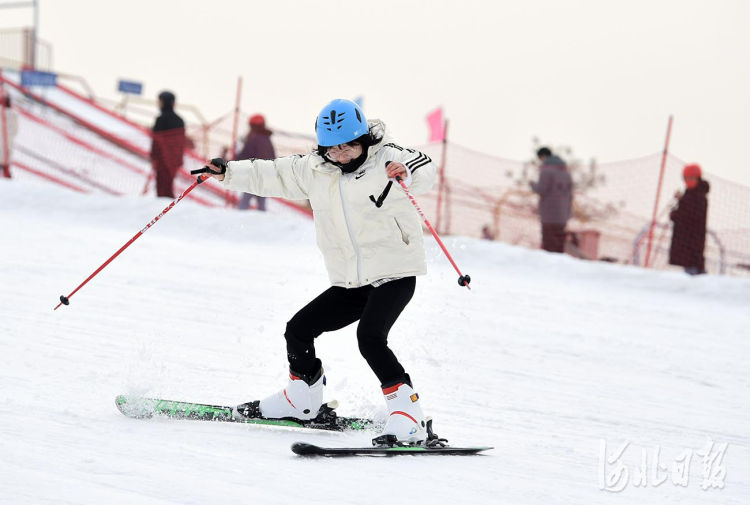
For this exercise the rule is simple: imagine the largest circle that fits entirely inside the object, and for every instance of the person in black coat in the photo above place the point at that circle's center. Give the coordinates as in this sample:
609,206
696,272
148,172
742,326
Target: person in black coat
689,218
168,145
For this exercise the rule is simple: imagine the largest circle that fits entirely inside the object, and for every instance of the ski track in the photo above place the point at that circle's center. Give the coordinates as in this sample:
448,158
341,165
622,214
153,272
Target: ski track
543,359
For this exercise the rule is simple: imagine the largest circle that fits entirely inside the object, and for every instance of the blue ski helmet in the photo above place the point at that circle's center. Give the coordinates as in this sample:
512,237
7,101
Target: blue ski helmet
339,122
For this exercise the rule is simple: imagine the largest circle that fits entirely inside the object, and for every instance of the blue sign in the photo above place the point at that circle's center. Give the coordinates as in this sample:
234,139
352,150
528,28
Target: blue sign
34,78
134,88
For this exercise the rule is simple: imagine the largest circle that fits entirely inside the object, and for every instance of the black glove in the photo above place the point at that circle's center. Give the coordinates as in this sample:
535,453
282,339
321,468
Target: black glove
217,162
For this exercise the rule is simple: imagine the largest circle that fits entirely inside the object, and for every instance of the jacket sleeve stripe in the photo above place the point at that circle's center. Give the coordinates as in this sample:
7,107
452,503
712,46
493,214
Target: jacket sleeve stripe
415,167
419,160
419,157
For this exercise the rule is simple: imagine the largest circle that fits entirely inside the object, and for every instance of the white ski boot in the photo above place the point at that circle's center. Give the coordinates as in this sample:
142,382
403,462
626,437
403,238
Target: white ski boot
406,422
301,399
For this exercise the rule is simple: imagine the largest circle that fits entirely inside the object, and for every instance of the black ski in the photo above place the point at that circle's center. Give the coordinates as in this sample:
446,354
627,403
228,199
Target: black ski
145,408
304,449
388,445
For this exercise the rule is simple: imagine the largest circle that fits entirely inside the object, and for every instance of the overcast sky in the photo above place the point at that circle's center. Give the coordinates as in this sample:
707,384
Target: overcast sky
600,76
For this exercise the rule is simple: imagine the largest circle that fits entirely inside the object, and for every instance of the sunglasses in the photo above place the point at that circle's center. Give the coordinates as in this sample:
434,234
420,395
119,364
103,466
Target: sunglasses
336,151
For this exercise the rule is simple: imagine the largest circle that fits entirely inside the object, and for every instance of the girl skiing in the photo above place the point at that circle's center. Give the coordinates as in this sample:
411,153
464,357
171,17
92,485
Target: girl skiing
371,240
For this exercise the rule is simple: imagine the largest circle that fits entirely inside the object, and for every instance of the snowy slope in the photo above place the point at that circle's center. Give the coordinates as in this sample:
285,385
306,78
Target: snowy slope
545,359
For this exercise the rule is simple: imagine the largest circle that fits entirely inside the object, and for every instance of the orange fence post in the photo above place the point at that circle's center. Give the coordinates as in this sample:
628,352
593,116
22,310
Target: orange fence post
233,147
658,193
441,177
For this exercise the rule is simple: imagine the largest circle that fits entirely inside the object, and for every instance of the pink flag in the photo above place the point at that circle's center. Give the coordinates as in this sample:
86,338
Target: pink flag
436,124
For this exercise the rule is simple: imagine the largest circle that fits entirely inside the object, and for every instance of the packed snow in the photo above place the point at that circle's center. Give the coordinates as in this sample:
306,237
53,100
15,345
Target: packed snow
581,375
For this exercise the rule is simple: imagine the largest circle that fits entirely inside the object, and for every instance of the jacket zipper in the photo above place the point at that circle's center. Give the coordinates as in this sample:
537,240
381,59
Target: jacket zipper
351,235
404,236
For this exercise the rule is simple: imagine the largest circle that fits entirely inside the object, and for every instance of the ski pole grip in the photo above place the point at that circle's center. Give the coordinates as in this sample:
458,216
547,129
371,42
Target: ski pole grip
217,162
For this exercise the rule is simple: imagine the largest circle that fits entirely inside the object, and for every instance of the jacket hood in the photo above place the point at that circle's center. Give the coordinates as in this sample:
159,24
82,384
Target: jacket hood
260,129
555,161
167,100
379,132
702,186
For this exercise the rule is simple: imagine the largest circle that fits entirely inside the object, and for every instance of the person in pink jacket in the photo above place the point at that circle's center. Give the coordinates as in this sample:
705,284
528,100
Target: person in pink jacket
258,146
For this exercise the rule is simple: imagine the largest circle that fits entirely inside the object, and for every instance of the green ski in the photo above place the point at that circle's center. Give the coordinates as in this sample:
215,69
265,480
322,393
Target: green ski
145,408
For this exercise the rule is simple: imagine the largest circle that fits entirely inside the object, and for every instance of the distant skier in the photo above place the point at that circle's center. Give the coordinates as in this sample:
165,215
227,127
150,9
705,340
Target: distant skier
168,145
555,189
257,146
689,218
371,240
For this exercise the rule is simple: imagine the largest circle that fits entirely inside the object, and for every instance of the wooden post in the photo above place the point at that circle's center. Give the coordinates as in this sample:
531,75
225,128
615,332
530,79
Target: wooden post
4,141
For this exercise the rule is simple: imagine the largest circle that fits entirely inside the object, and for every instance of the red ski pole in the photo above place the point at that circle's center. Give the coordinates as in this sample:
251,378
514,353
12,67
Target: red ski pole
65,300
463,280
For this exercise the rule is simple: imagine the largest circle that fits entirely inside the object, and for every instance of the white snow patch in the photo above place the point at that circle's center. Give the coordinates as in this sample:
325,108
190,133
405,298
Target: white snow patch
543,359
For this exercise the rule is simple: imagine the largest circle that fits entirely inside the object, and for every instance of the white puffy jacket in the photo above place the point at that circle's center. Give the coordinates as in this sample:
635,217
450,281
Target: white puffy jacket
361,243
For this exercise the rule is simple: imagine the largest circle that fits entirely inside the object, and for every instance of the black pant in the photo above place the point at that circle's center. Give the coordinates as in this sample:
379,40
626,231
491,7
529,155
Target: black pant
375,308
553,237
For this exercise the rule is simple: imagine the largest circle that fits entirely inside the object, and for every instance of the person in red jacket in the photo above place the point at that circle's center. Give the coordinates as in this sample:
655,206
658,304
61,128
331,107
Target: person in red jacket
167,145
689,218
